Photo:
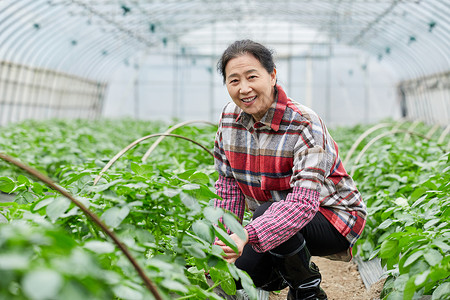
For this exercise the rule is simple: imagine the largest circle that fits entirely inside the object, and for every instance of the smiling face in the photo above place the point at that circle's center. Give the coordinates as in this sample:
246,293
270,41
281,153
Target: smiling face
250,85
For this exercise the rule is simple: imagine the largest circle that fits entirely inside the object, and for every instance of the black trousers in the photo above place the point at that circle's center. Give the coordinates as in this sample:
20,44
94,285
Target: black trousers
321,238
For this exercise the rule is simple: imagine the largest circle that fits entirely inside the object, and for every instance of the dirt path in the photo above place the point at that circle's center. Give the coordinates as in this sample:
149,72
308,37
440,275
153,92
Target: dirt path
341,281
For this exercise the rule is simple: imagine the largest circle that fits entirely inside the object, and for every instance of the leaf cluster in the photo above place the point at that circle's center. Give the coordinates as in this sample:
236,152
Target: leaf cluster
404,181
160,209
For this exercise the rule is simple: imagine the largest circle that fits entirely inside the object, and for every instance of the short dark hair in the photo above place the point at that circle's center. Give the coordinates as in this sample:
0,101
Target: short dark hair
242,47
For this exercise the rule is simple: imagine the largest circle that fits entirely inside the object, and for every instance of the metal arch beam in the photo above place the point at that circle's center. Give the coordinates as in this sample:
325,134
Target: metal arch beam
90,48
36,52
373,23
115,24
404,59
416,72
31,40
30,46
92,62
419,14
28,38
13,38
429,45
370,27
30,49
405,30
107,64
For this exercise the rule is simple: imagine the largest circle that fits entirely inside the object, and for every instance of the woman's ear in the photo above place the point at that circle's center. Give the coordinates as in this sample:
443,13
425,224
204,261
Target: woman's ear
273,77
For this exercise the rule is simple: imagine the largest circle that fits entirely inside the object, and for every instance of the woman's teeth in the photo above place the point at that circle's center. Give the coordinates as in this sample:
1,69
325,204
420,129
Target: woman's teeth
246,100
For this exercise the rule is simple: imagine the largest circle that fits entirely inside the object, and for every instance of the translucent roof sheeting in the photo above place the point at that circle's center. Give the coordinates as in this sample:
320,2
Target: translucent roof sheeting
92,38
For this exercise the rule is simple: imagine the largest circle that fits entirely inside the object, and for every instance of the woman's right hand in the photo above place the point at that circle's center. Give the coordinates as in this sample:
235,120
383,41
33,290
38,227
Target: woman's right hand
230,255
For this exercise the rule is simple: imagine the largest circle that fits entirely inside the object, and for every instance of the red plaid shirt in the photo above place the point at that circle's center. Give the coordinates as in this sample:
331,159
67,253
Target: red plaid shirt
288,157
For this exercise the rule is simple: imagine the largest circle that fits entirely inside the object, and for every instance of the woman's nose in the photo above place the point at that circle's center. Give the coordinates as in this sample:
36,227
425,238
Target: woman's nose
244,88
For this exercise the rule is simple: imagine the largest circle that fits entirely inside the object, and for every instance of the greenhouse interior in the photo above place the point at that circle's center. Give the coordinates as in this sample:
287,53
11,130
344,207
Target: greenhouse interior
141,158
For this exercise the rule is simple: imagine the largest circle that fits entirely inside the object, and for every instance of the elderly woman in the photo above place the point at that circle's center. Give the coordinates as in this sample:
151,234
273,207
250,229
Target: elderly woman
276,157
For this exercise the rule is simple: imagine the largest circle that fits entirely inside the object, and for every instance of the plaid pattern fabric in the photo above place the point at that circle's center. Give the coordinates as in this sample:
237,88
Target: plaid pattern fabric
288,157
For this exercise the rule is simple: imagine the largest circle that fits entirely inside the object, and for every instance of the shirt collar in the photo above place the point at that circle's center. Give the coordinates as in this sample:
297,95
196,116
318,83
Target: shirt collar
272,117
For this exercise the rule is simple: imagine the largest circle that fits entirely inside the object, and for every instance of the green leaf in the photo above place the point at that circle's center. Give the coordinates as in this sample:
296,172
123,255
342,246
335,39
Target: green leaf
6,185
234,225
200,178
440,244
410,289
418,193
203,230
421,278
401,202
190,186
23,180
174,285
126,292
247,284
228,285
38,188
385,224
389,248
395,295
14,261
40,204
195,252
442,292
114,216
136,168
29,197
42,284
213,214
57,208
144,236
412,258
431,223
103,187
226,280
224,237
433,257
190,202
99,247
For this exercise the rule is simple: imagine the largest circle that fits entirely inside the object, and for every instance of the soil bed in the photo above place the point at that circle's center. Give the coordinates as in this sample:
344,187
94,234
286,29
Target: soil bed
341,281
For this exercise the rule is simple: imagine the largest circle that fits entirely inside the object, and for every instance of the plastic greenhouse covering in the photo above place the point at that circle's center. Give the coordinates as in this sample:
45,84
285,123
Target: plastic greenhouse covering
123,177
351,61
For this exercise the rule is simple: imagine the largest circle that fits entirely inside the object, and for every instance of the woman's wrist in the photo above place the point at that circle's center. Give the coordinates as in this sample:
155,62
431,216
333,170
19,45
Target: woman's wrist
252,237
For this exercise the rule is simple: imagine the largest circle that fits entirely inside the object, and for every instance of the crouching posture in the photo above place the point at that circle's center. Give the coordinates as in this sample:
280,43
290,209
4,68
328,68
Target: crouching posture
277,158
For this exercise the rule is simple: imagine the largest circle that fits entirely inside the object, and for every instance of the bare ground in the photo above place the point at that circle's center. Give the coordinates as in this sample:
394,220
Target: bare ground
341,281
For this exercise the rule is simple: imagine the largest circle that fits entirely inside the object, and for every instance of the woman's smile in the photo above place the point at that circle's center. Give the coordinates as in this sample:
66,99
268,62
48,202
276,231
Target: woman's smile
249,100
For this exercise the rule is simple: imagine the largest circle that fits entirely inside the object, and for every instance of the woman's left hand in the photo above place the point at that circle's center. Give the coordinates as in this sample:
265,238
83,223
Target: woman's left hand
230,255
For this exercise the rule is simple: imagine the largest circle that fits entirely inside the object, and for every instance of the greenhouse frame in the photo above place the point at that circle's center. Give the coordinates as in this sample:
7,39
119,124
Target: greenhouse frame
110,119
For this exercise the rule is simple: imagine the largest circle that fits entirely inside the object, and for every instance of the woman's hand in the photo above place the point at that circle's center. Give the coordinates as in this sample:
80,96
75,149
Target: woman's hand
231,256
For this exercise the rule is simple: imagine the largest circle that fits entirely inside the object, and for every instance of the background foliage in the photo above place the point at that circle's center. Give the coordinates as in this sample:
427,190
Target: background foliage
160,210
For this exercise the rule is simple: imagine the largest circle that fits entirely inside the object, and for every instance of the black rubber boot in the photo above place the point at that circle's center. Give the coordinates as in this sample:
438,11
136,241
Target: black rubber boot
301,274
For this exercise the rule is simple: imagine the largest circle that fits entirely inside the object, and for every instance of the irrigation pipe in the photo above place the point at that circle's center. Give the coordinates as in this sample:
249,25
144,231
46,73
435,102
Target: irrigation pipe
361,138
87,212
411,128
380,136
153,146
444,133
124,150
433,130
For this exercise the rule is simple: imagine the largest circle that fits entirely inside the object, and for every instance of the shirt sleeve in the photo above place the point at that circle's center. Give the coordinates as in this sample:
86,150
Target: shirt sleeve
233,199
285,218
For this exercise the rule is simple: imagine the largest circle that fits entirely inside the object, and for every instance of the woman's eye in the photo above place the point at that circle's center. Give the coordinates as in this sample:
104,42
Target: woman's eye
233,81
